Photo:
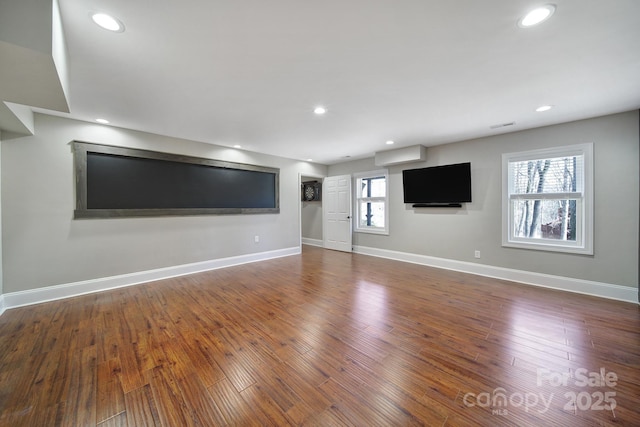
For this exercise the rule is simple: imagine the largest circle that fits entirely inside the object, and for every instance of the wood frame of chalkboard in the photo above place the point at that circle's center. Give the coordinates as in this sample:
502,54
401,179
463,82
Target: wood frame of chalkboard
117,182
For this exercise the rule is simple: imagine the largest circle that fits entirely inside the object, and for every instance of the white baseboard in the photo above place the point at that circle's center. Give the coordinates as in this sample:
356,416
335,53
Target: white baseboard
599,289
312,242
51,293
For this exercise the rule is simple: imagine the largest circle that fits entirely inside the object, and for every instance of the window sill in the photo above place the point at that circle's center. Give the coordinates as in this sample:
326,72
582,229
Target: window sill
372,231
548,247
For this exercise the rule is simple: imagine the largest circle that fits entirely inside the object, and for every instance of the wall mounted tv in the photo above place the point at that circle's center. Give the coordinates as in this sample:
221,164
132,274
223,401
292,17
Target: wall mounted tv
438,186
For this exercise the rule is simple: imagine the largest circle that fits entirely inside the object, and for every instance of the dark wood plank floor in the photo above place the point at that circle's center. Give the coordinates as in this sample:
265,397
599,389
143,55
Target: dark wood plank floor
322,339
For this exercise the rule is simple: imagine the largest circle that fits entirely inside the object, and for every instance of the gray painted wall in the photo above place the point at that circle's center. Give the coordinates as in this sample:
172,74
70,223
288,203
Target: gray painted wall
27,24
1,275
44,245
312,220
457,233
311,216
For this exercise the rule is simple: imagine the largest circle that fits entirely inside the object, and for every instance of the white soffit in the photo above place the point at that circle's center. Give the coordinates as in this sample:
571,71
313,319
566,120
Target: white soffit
16,118
33,68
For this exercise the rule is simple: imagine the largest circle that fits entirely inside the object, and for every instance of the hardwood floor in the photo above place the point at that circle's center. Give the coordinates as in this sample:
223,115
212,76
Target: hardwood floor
322,339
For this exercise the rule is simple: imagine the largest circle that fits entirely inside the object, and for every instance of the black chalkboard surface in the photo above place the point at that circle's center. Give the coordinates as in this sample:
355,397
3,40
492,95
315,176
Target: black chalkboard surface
119,182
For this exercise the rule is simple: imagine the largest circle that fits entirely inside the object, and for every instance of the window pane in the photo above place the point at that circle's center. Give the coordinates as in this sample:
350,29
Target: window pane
553,175
545,219
371,214
548,200
373,187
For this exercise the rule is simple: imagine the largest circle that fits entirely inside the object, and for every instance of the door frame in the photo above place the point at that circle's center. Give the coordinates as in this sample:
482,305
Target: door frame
306,175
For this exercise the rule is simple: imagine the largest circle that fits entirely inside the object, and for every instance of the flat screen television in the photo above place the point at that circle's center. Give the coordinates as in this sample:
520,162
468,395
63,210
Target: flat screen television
448,185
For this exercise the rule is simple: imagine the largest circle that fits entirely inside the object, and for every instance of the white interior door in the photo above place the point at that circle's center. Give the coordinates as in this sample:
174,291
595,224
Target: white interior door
336,207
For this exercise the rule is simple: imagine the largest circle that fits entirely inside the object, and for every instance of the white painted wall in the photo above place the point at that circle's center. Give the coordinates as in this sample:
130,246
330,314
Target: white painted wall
45,246
456,233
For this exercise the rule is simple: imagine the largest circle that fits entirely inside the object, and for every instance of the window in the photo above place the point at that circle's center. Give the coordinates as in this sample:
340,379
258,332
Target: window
547,199
372,215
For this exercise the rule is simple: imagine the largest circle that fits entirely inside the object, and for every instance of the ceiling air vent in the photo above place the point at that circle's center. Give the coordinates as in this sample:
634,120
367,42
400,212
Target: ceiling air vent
503,125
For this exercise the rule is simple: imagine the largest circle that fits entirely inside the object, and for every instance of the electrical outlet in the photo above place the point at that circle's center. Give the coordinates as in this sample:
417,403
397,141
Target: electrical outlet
477,254
256,239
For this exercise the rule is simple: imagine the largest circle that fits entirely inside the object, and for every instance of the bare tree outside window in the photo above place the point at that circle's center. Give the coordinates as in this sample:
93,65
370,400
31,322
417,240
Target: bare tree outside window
372,210
372,215
544,217
546,198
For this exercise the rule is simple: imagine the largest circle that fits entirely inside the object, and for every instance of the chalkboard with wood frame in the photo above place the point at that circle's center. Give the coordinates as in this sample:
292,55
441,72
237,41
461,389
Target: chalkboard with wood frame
113,182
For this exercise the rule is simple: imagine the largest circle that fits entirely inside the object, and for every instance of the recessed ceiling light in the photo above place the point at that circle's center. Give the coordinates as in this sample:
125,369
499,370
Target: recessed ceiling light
536,16
237,146
319,110
390,142
103,121
544,108
108,22
309,160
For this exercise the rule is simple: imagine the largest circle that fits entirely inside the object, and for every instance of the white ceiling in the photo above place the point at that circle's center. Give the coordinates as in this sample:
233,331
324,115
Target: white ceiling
250,72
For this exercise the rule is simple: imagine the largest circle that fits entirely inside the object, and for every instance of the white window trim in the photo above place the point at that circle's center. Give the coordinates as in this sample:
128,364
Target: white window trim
358,197
584,221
